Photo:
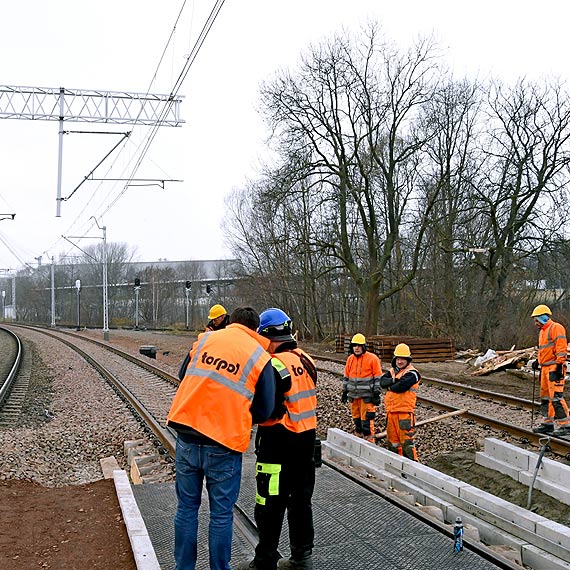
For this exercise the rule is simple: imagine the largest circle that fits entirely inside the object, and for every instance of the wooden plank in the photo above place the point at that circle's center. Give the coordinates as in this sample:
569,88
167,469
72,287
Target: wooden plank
382,434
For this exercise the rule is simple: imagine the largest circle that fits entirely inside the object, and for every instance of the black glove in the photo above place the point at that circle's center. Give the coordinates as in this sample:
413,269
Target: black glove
344,397
386,381
535,365
376,398
559,371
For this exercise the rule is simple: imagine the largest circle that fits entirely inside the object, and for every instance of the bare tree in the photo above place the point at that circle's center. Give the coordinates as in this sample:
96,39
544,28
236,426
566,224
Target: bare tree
522,196
344,123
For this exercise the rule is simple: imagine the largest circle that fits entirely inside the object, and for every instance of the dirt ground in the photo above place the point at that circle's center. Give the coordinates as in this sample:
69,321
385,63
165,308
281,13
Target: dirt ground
63,528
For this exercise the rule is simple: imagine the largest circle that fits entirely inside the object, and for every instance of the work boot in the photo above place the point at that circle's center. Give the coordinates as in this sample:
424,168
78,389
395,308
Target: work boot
290,564
544,428
562,431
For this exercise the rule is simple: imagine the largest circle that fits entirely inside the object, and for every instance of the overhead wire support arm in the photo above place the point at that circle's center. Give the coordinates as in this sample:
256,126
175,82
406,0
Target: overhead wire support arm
147,181
125,135
88,106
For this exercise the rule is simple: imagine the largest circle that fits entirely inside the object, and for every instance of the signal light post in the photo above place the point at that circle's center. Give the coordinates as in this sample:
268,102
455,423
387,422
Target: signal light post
78,287
137,289
188,287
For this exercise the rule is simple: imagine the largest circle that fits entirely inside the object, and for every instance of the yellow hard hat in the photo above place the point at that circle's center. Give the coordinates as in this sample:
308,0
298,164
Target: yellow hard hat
216,311
403,351
358,338
541,310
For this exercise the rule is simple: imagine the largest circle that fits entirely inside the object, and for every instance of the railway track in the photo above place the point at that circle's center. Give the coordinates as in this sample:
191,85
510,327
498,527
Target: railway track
480,398
149,391
13,386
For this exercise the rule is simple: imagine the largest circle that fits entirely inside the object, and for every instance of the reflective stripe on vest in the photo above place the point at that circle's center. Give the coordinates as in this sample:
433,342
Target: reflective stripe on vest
215,395
547,353
403,401
300,399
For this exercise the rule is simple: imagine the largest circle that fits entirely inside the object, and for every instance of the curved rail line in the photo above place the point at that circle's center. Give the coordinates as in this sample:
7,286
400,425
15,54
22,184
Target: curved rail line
11,349
167,437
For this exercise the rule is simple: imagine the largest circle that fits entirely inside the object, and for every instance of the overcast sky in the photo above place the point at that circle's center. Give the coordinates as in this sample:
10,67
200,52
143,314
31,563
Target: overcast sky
116,45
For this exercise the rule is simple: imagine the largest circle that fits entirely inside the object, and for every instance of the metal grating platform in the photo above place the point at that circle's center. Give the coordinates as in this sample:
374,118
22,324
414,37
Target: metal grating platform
354,529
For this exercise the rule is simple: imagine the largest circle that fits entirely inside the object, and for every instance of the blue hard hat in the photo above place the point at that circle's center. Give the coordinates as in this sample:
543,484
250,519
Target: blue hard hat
275,324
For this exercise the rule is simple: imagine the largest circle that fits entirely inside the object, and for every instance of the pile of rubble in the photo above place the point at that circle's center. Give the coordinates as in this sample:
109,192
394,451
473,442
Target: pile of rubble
493,361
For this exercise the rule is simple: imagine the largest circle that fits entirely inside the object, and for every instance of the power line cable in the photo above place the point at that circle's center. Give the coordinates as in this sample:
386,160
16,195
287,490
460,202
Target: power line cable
178,84
111,166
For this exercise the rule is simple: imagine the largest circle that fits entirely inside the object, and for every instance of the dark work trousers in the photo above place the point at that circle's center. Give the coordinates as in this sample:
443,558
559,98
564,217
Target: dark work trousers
285,480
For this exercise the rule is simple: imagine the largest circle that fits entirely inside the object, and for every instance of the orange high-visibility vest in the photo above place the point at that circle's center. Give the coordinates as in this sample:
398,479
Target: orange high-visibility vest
301,399
362,375
215,395
404,401
552,345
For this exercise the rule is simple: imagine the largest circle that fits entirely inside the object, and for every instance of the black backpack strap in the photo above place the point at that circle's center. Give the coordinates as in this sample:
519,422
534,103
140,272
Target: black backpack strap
308,365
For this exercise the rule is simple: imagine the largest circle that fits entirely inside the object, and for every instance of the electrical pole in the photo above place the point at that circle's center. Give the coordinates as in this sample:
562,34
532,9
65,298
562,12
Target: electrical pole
52,324
78,287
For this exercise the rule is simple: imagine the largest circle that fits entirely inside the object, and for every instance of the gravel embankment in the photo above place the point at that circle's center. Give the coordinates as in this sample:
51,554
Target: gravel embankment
70,420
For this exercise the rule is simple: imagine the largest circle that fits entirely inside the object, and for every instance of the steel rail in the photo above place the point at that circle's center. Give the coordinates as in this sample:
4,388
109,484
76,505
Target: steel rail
464,389
558,446
164,435
8,382
479,392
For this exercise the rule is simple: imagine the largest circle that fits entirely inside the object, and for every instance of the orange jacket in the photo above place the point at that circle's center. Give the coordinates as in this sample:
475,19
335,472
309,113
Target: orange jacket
405,401
362,375
301,398
552,345
216,393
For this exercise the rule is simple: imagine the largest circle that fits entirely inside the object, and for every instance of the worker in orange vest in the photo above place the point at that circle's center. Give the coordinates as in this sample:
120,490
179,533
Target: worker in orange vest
361,385
218,318
552,348
228,384
401,384
285,449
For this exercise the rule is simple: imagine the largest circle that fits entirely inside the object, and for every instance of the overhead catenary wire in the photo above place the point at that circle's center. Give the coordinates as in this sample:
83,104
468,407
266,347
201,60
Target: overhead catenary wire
151,83
174,92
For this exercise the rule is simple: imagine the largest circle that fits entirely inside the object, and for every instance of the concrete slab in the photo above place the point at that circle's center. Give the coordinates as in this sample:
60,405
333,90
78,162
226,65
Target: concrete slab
508,453
143,551
560,492
540,560
491,462
507,511
555,532
435,478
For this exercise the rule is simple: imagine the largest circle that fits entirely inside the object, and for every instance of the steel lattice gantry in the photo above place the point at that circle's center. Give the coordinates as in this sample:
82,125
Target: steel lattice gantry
113,107
88,106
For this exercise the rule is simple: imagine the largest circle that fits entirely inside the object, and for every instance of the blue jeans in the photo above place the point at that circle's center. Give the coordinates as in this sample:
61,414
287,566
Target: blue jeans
222,470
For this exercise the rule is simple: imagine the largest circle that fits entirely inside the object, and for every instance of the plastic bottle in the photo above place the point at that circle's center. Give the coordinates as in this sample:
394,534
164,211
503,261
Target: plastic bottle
458,535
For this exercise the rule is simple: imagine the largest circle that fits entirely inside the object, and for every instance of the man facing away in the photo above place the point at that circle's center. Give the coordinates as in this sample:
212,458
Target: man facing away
227,384
285,448
552,347
361,385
